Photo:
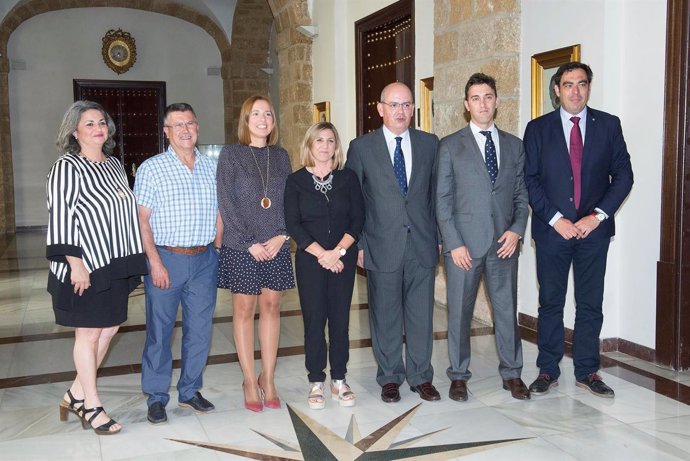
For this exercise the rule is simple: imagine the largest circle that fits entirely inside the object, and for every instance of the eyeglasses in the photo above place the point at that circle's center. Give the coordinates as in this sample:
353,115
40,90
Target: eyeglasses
179,126
399,105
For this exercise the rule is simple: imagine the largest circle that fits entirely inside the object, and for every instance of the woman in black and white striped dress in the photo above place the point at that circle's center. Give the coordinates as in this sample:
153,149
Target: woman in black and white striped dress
95,250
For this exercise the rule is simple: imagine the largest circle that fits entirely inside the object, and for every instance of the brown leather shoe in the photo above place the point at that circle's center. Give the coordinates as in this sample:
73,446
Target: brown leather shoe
458,390
426,391
390,393
517,388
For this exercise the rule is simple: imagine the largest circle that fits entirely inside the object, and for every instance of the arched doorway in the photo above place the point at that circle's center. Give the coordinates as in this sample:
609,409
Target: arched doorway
295,74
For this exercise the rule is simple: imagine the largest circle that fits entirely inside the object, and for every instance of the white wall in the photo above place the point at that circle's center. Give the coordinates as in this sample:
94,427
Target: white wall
624,43
60,46
333,54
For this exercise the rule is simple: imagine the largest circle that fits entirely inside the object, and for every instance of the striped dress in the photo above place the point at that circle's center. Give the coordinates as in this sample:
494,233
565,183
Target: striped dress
93,216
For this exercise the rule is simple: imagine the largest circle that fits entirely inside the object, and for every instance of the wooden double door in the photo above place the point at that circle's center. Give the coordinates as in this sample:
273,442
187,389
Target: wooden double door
384,47
137,110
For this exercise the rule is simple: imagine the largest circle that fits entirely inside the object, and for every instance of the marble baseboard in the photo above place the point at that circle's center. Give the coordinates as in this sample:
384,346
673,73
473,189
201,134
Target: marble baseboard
528,329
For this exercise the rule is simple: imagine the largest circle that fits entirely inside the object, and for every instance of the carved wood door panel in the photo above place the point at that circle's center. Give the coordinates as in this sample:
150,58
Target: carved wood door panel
137,110
384,54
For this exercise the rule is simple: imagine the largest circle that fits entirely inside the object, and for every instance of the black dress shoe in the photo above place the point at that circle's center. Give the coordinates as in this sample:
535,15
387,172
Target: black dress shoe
390,393
517,388
458,390
542,384
594,384
157,413
426,391
198,404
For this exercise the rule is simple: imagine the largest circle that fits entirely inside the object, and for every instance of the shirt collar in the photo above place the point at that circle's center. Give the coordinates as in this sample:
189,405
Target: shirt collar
475,129
565,116
390,136
172,152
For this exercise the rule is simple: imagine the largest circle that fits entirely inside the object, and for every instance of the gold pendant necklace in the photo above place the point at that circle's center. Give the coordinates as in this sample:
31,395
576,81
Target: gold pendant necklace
265,201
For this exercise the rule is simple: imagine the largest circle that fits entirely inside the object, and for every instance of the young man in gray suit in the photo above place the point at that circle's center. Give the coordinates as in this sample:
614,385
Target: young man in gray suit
399,247
481,207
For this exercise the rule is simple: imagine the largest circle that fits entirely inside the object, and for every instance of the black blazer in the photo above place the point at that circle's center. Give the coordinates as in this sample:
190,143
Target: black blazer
310,217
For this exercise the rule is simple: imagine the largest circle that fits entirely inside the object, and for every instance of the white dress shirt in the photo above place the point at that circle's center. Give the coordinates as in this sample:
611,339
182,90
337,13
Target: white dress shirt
481,140
406,148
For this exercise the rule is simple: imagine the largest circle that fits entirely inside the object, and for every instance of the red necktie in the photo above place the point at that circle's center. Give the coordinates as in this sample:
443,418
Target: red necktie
576,158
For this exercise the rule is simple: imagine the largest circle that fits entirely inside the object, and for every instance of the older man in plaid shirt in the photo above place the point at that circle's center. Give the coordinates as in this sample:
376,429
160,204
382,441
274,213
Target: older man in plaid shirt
178,209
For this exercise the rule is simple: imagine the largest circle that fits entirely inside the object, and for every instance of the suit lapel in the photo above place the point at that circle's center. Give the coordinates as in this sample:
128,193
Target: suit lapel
557,127
414,143
469,143
418,159
503,154
589,148
591,134
382,159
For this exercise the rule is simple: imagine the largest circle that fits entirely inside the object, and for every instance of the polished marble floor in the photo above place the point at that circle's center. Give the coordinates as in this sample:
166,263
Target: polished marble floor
649,418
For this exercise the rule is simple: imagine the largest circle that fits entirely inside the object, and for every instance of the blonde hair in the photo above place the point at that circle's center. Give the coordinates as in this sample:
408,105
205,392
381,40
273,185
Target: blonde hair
243,134
305,155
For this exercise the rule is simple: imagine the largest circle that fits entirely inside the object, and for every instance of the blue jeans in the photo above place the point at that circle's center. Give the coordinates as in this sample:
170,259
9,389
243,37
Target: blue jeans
192,284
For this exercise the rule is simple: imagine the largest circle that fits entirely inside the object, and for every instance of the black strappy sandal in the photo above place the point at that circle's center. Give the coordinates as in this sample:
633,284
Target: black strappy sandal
103,429
70,406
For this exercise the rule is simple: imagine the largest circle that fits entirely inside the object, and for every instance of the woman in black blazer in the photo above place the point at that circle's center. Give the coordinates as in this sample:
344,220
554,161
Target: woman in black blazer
324,214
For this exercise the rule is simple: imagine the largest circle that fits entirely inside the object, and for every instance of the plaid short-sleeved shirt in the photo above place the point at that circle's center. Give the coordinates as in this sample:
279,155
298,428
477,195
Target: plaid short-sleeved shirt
184,203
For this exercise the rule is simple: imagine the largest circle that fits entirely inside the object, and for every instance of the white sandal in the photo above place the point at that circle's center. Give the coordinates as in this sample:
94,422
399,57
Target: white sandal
316,398
341,392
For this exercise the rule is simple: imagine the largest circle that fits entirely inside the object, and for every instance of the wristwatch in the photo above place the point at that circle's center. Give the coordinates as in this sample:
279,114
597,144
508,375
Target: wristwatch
341,251
598,215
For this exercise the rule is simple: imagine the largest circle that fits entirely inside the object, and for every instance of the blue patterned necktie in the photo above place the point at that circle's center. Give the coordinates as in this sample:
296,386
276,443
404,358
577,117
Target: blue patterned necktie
399,166
490,156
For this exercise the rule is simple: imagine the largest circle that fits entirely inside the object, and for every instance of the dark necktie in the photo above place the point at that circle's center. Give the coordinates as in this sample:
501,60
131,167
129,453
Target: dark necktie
399,166
576,158
490,156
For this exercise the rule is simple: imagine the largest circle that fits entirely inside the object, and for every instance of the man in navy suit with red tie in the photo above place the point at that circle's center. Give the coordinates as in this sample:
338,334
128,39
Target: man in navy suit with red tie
578,173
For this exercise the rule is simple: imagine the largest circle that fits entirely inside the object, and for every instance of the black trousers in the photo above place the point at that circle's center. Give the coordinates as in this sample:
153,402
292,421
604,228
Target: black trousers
325,298
588,260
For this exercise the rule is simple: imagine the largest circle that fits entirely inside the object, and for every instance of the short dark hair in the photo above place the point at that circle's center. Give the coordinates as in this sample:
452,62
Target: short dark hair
480,79
569,67
177,107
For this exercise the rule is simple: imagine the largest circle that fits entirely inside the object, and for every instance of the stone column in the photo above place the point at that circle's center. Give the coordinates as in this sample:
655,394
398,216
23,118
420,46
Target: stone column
242,75
475,36
295,70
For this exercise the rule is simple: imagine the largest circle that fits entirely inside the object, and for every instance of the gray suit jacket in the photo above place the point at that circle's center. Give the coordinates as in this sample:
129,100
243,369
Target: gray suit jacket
470,210
389,214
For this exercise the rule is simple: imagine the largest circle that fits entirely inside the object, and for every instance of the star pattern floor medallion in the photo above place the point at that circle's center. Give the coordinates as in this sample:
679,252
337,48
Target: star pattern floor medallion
318,443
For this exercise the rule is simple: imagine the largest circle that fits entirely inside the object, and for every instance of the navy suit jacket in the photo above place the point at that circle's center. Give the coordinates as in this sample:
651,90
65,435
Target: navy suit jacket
607,175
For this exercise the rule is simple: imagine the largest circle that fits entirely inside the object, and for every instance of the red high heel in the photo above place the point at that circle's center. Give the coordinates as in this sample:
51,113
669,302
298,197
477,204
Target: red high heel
256,407
273,404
